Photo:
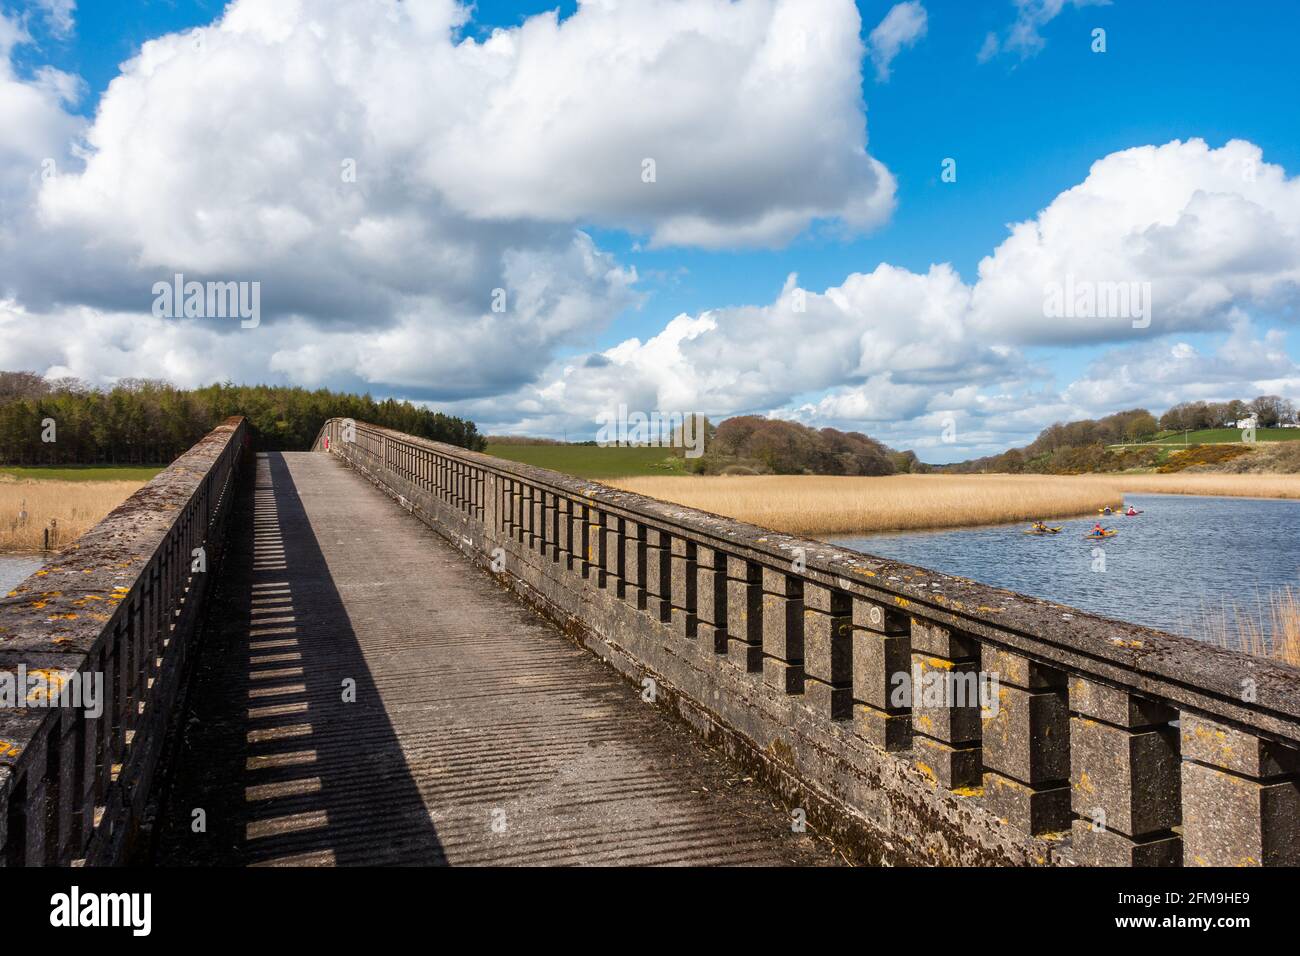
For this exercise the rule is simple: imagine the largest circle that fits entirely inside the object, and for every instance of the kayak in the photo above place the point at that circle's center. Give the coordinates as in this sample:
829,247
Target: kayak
1106,511
1105,534
1133,515
1048,531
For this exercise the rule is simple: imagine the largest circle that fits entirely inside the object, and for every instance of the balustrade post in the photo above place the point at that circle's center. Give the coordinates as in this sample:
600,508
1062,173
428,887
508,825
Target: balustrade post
36,802
537,521
564,533
783,631
1124,777
634,564
578,537
1026,742
1241,797
744,615
595,535
525,514
711,598
945,705
615,555
828,651
658,574
551,525
682,587
492,526
882,660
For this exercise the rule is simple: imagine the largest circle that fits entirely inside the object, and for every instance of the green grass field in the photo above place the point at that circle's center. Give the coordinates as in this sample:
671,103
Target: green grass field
1215,436
82,472
592,461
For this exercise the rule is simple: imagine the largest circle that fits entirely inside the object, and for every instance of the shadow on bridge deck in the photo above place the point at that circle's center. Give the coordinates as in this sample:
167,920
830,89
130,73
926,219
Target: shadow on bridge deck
478,734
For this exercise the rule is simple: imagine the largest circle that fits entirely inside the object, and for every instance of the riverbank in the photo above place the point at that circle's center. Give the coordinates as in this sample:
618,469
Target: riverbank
821,505
67,509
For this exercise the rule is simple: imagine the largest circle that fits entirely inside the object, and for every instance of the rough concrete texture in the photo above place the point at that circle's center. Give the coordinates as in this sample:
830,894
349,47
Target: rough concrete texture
479,733
120,604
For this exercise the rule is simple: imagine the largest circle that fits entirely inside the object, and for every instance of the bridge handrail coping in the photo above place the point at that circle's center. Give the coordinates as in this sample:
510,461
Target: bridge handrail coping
104,605
1180,671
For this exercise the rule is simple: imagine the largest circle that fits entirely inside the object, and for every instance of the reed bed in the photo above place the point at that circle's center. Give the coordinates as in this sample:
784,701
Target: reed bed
1227,485
1267,627
807,504
816,505
68,508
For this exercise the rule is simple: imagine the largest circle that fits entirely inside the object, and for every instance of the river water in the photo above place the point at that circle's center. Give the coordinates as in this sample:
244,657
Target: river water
1182,557
15,567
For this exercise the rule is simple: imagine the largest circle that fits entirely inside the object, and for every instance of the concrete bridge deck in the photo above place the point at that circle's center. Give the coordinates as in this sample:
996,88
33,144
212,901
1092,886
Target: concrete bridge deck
478,733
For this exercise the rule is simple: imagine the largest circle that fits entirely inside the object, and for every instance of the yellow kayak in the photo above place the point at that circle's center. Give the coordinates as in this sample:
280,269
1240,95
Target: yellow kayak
1046,531
1109,533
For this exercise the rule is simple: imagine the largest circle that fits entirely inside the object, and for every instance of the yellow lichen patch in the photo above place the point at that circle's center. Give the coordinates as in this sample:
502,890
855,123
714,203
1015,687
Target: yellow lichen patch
41,574
1123,643
38,604
902,601
62,617
925,769
969,791
988,610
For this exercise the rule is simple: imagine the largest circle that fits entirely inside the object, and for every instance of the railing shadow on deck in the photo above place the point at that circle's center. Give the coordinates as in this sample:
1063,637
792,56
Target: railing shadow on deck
283,768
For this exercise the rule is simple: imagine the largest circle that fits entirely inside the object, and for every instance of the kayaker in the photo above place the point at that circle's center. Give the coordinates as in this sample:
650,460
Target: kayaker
1132,512
1040,527
1098,530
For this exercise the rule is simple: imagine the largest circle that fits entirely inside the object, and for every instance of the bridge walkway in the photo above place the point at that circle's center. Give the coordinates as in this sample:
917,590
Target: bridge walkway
362,695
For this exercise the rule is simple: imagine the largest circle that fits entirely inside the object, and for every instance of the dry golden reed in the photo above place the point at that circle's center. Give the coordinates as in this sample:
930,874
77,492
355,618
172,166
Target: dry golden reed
74,506
819,505
1272,631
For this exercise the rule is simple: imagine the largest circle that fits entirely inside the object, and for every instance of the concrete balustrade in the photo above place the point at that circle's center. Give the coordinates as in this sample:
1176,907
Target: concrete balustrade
1096,742
122,605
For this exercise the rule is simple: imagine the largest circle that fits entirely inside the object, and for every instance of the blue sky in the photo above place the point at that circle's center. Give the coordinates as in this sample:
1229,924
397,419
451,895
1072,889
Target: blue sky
1022,128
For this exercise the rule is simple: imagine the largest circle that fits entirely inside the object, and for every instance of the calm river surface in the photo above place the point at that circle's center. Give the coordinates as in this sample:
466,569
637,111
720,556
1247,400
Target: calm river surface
15,567
1182,556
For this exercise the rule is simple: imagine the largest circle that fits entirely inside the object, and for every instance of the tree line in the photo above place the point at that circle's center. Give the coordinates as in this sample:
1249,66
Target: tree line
1082,446
1268,411
144,421
754,444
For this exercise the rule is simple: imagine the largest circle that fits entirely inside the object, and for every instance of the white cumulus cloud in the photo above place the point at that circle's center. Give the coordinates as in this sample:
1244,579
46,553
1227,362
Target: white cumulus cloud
903,26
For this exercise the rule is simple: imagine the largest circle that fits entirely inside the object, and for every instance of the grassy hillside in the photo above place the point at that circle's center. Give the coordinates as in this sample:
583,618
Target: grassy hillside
592,461
1211,436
